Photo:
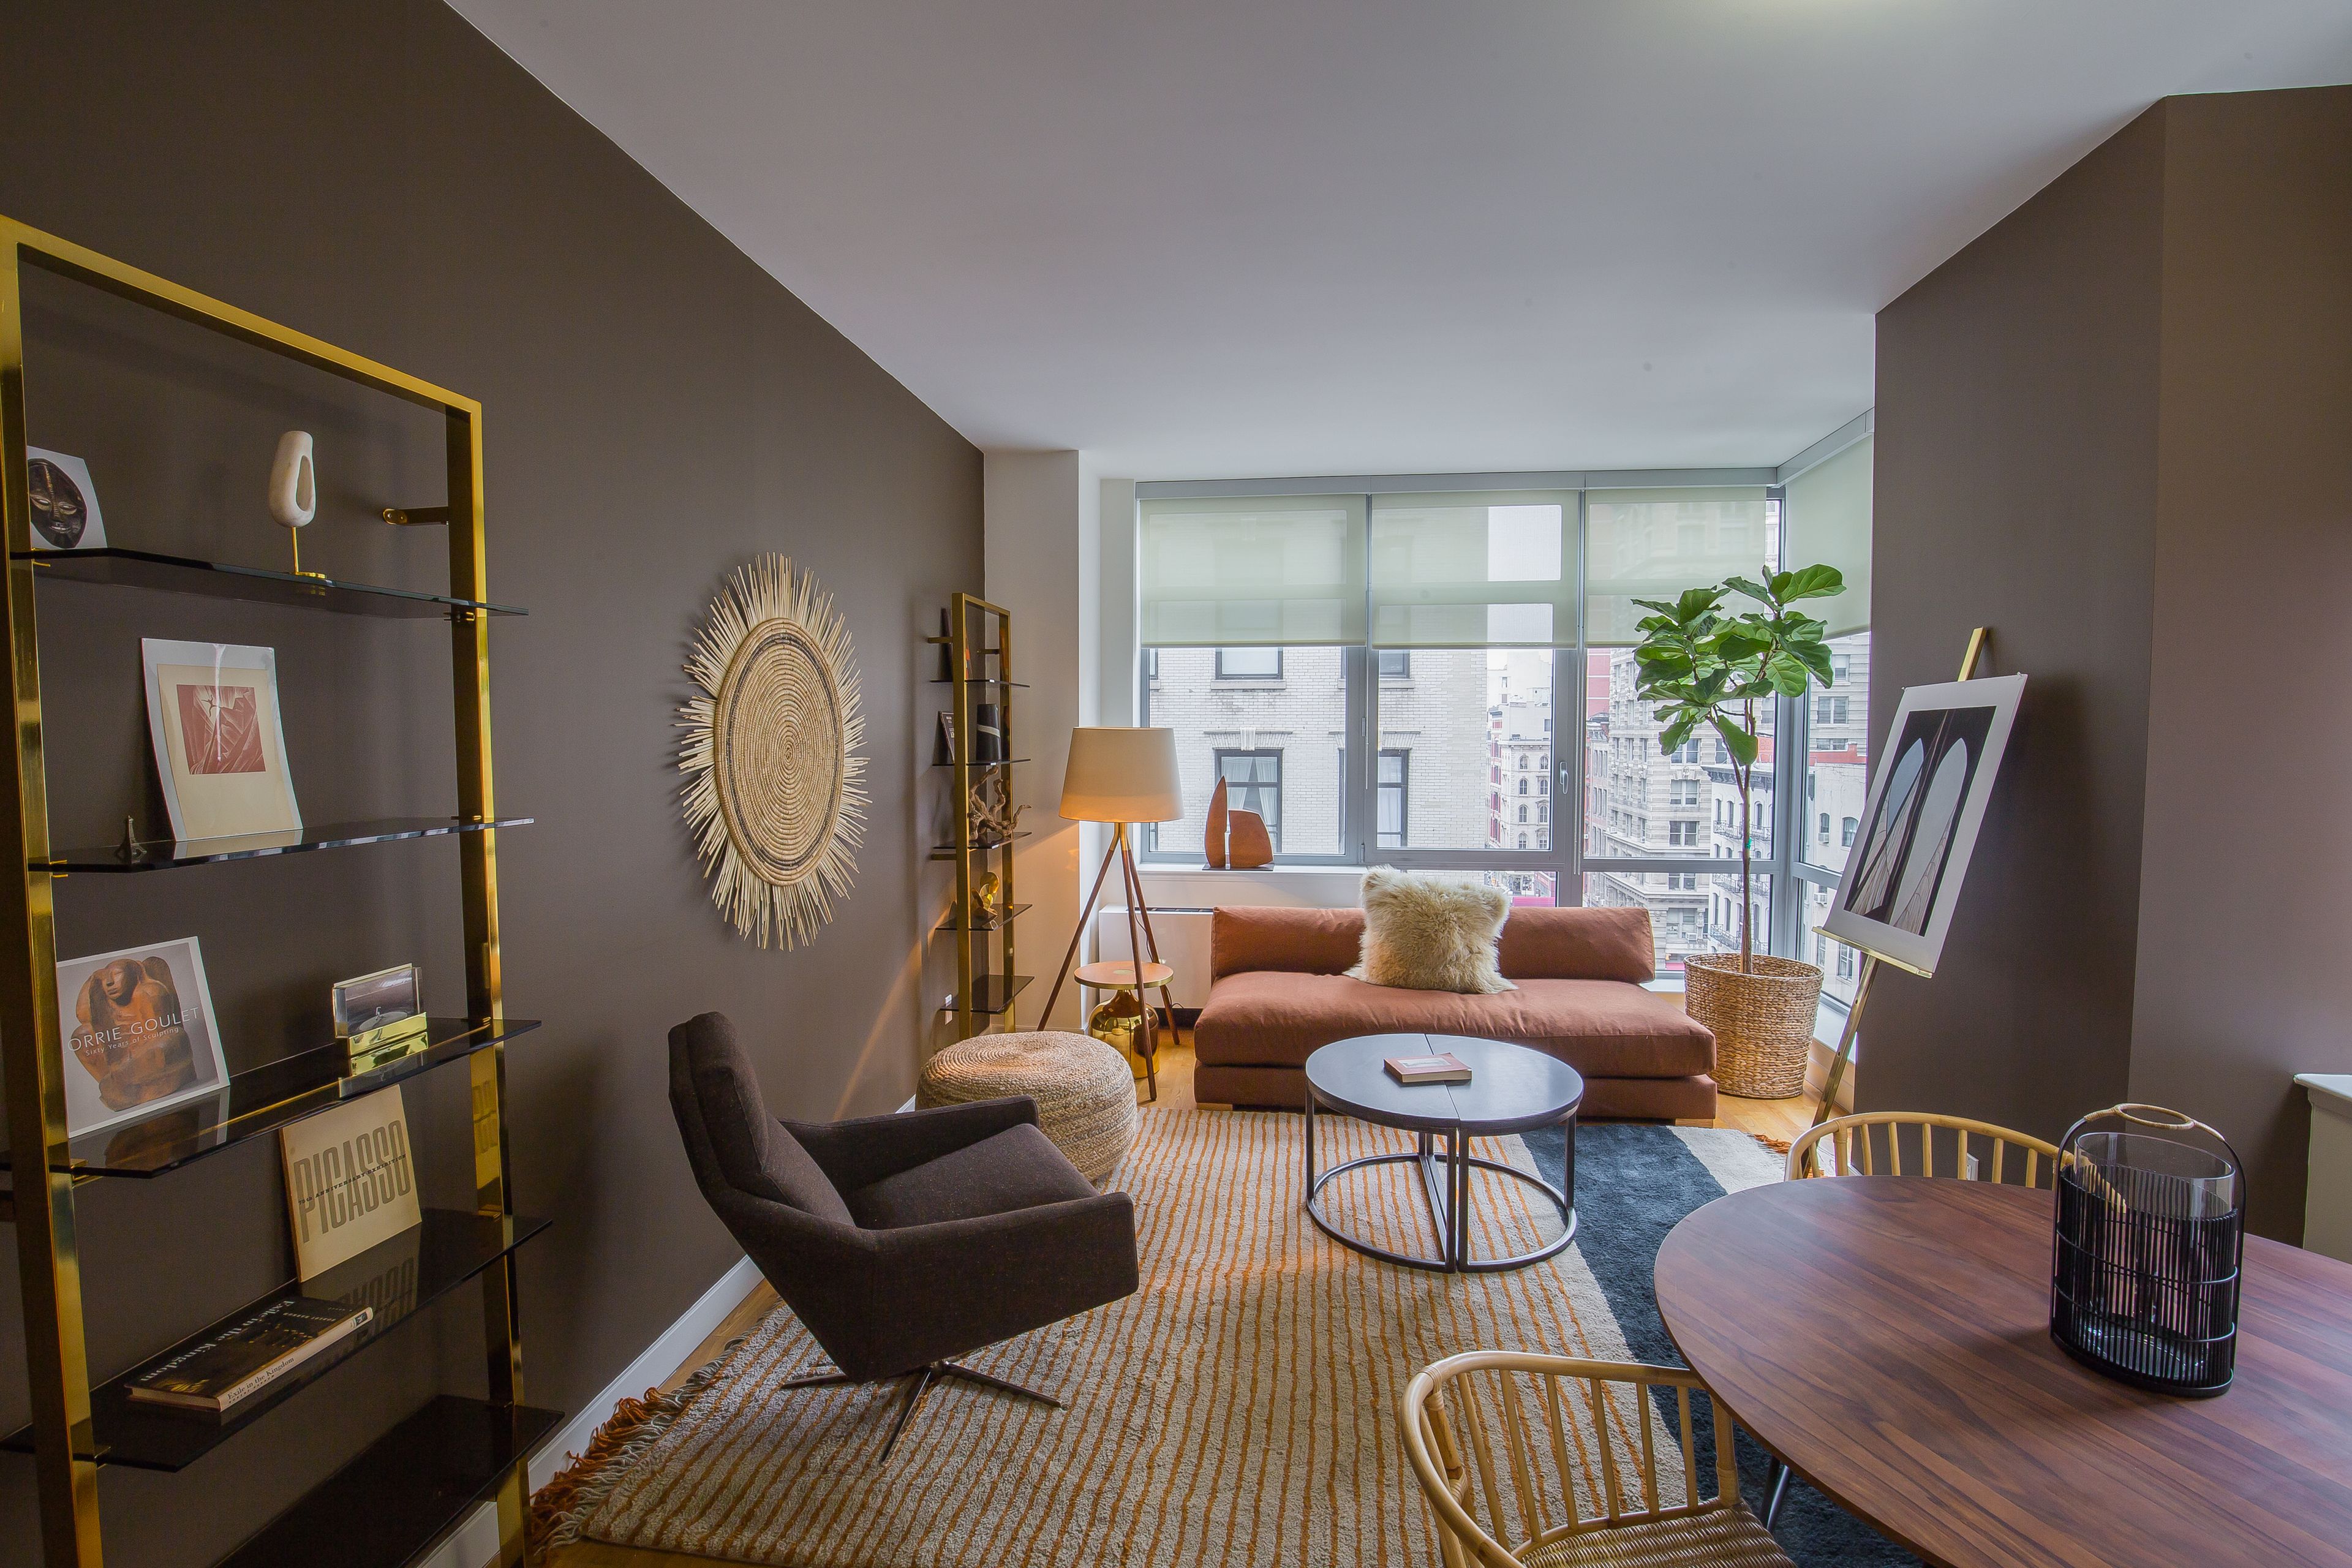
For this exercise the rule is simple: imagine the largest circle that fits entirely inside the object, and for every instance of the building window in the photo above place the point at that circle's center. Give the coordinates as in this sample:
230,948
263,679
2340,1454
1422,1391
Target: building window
1523,786
1523,759
1845,962
1543,786
1395,663
1846,826
1542,814
1523,841
1249,664
1825,829
1681,791
1829,710
1683,834
1253,783
1391,786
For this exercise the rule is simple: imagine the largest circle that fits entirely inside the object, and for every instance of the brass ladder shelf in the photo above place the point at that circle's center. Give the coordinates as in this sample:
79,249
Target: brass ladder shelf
403,1495
977,650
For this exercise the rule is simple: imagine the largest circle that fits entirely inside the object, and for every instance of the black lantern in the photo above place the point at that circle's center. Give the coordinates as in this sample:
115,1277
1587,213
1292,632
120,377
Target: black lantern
2151,1236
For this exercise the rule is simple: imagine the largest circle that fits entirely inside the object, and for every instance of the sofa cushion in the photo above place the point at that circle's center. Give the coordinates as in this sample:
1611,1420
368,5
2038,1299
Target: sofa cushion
1018,1168
1424,932
1603,1028
1578,945
1308,942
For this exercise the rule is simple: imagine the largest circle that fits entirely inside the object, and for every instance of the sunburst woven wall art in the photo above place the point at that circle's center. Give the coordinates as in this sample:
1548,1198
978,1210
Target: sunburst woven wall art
774,794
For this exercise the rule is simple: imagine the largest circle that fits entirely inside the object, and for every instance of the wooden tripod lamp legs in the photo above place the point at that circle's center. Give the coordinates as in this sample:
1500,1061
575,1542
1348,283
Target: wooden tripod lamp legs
1138,925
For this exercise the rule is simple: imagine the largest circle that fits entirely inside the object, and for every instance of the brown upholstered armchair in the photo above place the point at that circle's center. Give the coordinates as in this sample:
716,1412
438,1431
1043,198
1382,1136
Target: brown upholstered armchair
858,1224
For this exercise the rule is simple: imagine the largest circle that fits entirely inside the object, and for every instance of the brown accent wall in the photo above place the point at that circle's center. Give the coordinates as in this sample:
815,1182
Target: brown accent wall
2245,909
2113,429
657,411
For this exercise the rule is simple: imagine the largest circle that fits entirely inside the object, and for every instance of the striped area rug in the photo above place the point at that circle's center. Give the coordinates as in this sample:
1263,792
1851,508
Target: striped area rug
1239,1409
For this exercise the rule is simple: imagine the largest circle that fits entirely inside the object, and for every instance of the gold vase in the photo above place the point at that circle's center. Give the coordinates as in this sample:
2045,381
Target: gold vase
1118,1022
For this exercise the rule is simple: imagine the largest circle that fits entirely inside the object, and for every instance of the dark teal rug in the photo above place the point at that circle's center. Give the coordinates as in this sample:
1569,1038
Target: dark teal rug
1633,1182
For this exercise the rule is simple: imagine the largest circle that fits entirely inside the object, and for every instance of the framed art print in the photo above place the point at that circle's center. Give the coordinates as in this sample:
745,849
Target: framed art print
1919,824
220,747
139,1033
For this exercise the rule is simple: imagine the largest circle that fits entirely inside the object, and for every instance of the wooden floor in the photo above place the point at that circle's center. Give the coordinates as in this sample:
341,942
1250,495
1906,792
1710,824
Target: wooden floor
1776,1120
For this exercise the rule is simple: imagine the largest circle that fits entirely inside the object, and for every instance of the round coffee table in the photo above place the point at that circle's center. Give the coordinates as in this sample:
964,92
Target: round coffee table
1511,1089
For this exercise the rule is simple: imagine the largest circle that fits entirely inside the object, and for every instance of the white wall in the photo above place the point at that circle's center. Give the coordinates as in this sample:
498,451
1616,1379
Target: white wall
1045,563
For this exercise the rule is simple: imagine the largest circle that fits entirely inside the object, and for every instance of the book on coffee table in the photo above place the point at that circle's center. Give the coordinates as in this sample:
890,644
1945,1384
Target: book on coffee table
1445,1068
214,1375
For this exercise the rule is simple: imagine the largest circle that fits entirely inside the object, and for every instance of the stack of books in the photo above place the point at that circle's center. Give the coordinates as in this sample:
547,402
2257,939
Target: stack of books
220,1371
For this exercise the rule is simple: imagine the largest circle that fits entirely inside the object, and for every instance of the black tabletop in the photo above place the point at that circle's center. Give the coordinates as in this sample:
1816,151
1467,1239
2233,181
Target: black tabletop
1511,1087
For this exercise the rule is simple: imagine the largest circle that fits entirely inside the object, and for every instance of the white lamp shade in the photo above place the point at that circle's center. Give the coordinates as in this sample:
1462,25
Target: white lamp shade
1122,775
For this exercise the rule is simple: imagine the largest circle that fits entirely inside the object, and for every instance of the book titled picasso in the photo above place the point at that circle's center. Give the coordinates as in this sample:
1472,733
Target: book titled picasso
1445,1068
223,1369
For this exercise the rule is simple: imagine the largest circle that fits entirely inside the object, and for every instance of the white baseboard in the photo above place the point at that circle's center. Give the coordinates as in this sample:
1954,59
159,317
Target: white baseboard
476,1542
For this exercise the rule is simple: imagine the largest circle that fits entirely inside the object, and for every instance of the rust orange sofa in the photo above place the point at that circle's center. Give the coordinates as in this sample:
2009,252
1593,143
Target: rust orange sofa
1277,992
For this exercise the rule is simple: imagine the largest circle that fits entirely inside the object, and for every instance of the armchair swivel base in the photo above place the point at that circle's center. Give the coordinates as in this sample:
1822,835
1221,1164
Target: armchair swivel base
918,1383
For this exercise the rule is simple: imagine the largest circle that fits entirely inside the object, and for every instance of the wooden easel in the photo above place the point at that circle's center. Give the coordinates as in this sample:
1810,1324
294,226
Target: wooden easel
1978,640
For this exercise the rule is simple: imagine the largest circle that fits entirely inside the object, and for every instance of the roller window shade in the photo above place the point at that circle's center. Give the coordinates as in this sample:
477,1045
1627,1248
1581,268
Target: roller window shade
1270,572
1825,521
1489,569
1654,544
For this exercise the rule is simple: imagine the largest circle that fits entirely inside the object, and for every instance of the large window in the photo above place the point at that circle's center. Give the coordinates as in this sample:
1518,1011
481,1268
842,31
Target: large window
1382,677
1300,723
1837,765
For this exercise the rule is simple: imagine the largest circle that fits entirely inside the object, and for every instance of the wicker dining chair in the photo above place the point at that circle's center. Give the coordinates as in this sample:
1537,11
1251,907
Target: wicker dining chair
1855,1141
1547,1461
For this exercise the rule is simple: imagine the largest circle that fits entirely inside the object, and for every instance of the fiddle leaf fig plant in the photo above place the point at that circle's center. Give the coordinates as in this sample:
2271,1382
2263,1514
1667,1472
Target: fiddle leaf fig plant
1704,666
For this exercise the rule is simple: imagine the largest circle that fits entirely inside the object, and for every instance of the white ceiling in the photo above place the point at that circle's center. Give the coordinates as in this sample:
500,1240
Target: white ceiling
1229,238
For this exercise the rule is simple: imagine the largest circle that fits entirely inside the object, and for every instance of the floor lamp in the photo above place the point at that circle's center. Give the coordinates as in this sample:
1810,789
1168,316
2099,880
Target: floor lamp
1122,776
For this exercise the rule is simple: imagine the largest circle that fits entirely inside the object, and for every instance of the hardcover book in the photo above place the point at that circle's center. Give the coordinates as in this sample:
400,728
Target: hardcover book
349,1182
222,1369
1445,1068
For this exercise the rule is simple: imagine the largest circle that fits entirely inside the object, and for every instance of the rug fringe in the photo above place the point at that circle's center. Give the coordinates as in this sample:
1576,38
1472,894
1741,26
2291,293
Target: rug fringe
1777,1145
558,1508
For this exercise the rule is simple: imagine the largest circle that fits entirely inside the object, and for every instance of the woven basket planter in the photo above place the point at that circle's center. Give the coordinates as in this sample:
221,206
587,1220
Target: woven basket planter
1762,1023
1085,1095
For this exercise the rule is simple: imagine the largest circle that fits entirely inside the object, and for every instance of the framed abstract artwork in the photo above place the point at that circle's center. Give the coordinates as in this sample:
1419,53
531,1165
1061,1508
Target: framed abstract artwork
220,749
1920,824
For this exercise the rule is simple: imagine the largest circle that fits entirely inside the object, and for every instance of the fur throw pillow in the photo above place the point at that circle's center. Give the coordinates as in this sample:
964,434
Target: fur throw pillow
1431,932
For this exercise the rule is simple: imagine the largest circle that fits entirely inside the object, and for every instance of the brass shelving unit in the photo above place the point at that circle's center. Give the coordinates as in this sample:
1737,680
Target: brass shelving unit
402,1495
979,646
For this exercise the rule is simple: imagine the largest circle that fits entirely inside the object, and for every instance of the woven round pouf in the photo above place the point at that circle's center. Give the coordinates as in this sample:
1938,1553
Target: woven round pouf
1085,1094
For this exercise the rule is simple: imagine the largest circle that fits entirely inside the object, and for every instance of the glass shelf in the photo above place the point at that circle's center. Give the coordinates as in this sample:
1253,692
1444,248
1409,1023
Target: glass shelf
405,1490
947,851
981,681
262,1101
998,762
993,994
399,1278
257,585
1003,919
165,855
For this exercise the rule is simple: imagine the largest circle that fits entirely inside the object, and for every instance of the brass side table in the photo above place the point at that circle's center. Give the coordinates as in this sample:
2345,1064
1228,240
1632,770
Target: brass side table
1118,974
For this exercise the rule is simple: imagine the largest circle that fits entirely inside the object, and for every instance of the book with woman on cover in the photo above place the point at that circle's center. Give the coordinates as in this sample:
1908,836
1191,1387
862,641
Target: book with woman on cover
219,1371
1446,1067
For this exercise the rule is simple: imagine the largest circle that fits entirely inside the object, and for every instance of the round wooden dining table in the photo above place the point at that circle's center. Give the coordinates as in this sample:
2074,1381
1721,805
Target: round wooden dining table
1888,1338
